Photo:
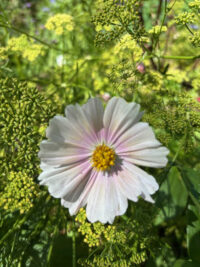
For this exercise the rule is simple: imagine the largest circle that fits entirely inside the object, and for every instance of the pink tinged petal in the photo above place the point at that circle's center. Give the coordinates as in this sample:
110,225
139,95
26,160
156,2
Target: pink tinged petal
134,182
62,130
139,146
55,154
119,116
149,157
105,201
94,112
66,182
138,137
87,119
74,206
102,136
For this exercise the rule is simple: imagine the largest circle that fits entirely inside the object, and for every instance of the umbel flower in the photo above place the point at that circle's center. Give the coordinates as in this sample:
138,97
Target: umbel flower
90,158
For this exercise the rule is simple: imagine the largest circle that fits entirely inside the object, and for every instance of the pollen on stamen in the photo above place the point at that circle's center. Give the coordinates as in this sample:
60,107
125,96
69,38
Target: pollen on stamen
103,158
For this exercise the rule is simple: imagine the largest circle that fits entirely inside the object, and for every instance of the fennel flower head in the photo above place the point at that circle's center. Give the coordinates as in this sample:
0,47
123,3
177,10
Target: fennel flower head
90,158
60,23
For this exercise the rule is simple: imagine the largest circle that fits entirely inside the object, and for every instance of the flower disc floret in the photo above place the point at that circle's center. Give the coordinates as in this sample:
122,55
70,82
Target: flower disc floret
103,158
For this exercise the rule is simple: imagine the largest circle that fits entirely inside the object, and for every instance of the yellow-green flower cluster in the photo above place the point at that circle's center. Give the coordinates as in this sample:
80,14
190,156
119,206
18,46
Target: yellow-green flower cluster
97,233
185,18
126,46
3,53
114,240
195,39
152,81
91,238
158,29
196,81
99,27
138,258
113,18
105,261
113,235
23,113
176,118
60,23
27,48
19,193
178,75
195,5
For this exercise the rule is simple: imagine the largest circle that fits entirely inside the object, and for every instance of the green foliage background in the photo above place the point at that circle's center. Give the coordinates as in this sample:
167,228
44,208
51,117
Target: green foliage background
59,52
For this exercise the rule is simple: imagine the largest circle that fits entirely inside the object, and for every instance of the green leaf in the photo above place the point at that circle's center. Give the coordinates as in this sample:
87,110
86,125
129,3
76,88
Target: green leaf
192,181
193,240
192,213
184,263
172,196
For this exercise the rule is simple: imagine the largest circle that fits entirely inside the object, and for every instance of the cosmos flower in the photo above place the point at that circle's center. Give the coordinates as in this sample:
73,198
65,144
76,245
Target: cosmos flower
91,158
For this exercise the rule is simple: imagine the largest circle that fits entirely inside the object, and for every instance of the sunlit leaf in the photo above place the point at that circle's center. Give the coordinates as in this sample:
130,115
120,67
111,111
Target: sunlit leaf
172,196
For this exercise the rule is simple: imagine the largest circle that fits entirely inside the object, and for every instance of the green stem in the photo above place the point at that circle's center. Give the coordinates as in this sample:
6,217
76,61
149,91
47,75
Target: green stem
124,217
189,29
19,222
32,37
74,248
51,246
162,23
170,8
17,225
78,85
181,57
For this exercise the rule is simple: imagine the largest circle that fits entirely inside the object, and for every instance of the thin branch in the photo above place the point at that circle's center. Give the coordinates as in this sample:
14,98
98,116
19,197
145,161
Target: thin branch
33,37
189,29
181,57
158,11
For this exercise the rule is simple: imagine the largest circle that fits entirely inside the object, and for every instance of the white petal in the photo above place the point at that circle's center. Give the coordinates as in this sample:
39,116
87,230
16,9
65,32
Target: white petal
58,129
149,157
105,201
147,180
63,130
88,118
56,154
66,182
140,146
135,182
137,137
94,112
81,201
120,116
129,185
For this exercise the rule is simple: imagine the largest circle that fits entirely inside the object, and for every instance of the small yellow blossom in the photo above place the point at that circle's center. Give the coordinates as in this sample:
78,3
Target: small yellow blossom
128,45
96,233
158,29
27,48
19,192
195,4
60,23
3,53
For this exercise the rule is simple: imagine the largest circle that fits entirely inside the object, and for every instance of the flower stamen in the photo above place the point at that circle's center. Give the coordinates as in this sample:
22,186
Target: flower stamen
103,158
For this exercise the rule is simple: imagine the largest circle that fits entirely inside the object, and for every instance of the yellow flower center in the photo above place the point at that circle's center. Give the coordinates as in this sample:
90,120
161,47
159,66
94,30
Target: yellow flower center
103,158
